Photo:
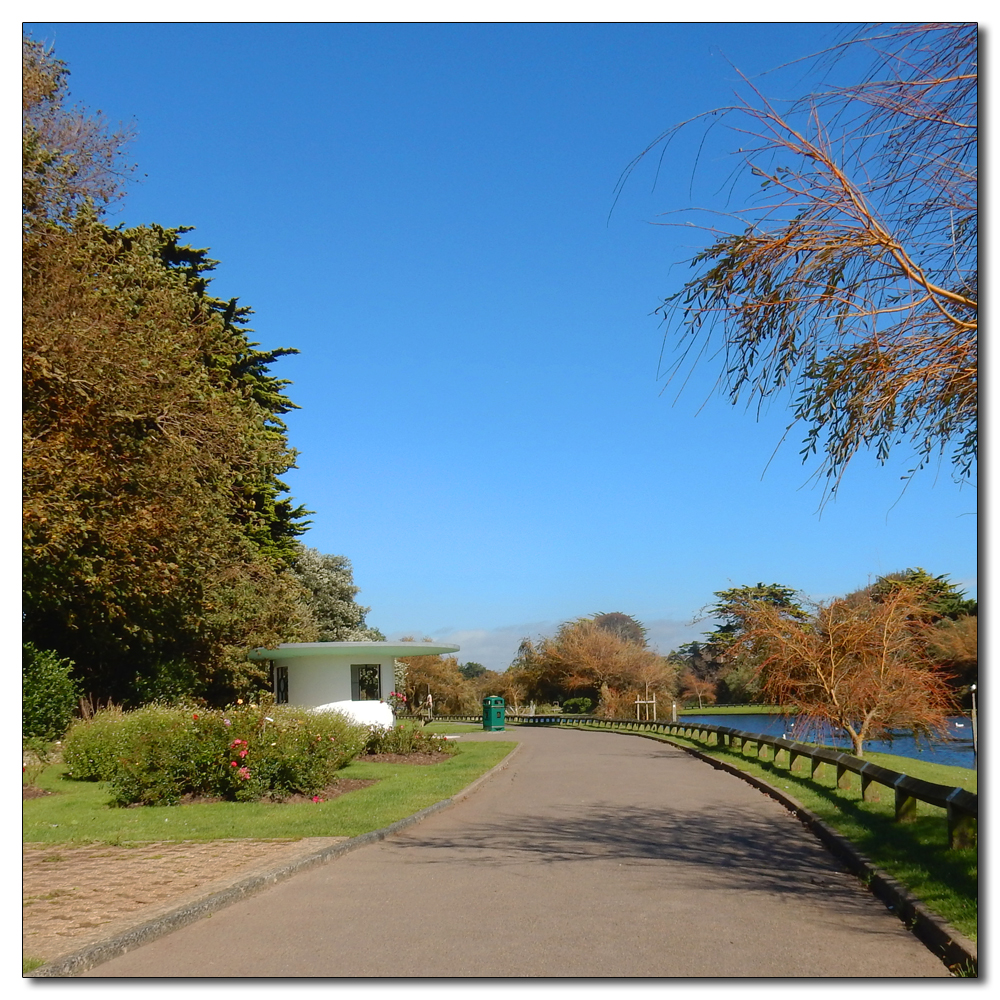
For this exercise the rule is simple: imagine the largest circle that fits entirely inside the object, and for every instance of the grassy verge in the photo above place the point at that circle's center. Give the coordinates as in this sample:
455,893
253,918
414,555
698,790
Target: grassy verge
79,812
916,854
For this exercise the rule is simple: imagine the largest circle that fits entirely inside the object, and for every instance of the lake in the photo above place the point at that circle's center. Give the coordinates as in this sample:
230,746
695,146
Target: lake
956,750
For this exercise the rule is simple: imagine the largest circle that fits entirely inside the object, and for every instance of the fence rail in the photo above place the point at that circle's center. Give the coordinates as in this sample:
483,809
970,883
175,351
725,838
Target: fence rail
961,806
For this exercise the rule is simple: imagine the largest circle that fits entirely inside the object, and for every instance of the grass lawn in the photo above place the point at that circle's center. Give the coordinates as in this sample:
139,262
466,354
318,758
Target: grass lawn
453,727
79,812
916,854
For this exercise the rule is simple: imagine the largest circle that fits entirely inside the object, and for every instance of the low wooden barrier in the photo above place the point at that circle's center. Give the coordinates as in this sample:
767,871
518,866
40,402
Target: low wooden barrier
961,806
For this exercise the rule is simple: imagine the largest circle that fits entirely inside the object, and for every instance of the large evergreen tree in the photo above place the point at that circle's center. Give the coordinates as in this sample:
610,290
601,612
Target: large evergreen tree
157,541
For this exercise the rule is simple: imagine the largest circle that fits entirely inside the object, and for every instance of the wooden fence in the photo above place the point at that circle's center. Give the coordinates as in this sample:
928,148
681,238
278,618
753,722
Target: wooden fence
961,806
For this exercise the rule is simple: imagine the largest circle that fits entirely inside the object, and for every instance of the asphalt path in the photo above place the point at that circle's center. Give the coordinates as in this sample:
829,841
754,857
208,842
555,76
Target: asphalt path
591,855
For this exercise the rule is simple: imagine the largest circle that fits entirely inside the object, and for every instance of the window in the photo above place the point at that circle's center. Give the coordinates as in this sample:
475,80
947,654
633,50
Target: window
366,684
281,685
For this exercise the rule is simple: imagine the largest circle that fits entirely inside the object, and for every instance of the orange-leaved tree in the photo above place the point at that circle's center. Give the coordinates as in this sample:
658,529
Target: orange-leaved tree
439,676
849,276
863,667
586,656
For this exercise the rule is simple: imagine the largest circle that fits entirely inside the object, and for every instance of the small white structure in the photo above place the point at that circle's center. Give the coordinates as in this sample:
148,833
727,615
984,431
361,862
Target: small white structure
354,678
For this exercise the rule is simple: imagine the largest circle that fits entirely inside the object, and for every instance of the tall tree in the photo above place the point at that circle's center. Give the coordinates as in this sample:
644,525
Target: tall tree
850,280
156,540
720,660
329,581
729,610
940,597
70,157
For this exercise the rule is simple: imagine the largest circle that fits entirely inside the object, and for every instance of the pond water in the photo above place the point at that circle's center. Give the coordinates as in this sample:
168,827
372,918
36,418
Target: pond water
956,750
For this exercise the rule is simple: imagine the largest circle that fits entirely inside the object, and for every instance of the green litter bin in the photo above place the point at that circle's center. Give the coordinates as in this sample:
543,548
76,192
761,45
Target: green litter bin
493,714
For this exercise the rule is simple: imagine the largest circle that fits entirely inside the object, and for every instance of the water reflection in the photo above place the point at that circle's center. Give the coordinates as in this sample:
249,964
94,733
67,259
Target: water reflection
956,750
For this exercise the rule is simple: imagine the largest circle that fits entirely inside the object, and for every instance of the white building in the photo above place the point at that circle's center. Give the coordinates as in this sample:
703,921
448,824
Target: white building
351,677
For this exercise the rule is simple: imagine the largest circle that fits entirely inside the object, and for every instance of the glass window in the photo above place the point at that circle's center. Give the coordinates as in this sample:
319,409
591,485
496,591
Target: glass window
281,685
366,684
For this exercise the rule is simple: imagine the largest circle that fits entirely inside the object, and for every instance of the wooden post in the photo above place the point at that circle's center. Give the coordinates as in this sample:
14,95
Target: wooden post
814,770
869,789
843,777
906,807
963,830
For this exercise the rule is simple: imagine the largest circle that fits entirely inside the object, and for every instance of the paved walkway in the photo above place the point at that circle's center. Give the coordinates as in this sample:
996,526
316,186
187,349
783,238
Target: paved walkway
593,855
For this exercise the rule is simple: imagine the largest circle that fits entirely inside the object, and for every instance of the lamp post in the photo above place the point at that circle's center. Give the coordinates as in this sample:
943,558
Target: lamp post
975,741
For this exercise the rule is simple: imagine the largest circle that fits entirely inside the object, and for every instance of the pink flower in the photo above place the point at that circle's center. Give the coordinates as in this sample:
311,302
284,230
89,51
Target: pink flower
244,773
316,798
243,753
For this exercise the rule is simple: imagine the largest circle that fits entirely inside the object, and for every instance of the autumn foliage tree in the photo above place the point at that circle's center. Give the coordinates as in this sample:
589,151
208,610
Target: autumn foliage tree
451,693
692,686
850,278
157,539
592,657
861,667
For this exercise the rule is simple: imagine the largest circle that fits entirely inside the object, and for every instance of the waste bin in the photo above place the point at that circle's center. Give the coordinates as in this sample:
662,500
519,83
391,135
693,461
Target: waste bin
493,714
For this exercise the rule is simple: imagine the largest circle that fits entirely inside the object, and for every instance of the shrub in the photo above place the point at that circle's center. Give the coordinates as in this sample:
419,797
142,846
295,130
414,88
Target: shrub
48,693
577,706
36,754
405,739
155,755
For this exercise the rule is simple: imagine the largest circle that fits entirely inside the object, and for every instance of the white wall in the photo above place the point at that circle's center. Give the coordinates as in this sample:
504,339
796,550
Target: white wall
319,680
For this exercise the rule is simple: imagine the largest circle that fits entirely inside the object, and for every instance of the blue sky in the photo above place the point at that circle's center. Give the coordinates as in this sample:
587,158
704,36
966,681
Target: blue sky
425,212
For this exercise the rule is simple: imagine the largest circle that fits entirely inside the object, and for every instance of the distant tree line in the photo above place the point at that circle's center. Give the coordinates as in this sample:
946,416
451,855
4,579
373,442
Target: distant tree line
599,663
898,654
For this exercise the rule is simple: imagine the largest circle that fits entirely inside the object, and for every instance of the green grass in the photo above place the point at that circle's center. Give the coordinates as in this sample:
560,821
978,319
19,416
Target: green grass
453,727
29,964
916,854
79,813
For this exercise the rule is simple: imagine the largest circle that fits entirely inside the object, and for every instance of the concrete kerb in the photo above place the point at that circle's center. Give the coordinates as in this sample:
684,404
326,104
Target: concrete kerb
103,951
951,946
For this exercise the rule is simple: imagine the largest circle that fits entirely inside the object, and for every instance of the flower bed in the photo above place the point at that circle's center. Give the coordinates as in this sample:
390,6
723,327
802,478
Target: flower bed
156,755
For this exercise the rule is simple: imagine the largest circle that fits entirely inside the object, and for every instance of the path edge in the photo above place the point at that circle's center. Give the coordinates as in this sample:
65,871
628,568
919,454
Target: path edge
949,944
103,951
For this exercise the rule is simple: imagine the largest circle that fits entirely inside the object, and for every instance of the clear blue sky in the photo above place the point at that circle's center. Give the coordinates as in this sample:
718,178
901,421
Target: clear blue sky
424,211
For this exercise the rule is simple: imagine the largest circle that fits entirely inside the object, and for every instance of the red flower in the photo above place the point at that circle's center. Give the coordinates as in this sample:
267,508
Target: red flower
233,763
194,716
